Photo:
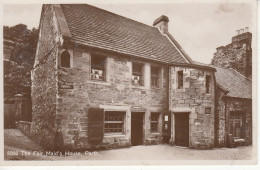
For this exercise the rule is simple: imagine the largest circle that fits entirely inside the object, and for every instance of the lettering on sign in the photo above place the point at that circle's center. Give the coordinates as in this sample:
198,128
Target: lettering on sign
66,85
137,109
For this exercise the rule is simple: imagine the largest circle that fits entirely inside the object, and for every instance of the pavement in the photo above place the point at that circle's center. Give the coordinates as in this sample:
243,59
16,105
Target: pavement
17,146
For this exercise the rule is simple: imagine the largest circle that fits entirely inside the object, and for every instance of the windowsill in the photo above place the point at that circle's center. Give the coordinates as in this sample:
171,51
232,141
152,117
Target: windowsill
113,135
139,87
98,82
156,88
208,94
180,90
155,133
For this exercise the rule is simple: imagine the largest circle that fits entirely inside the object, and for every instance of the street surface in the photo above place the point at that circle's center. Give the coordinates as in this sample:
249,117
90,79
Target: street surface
19,147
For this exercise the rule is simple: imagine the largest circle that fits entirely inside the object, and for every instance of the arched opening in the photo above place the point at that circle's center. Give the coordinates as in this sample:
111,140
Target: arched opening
65,59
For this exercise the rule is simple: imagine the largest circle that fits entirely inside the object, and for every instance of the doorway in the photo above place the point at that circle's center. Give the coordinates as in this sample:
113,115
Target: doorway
137,128
182,129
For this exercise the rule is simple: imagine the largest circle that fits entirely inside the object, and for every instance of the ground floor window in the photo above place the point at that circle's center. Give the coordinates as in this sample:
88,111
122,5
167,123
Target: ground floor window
114,122
235,124
154,121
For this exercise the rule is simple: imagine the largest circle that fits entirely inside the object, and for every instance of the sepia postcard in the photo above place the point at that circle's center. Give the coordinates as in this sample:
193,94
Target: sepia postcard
100,83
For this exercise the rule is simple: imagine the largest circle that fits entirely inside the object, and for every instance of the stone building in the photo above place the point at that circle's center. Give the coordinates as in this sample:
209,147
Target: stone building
234,91
236,55
103,80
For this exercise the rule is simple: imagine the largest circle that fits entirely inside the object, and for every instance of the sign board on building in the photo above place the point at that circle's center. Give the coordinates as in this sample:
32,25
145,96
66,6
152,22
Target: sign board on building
137,109
66,85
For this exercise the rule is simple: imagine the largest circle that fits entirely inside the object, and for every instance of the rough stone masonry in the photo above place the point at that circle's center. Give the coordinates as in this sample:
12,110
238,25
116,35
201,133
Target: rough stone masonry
62,96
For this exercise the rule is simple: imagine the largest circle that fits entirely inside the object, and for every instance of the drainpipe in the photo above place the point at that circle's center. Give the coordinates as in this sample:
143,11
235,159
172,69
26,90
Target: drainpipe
168,132
215,112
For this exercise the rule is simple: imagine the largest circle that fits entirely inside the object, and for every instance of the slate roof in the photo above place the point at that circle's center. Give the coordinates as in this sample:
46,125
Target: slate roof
96,27
233,82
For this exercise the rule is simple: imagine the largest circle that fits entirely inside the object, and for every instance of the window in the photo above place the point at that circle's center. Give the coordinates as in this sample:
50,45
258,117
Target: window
235,124
155,76
97,67
207,111
65,59
114,122
137,77
208,83
154,122
180,79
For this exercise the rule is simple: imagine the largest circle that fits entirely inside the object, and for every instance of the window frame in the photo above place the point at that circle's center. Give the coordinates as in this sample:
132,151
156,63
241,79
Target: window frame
123,115
155,122
180,79
62,64
96,67
208,84
155,76
135,74
232,122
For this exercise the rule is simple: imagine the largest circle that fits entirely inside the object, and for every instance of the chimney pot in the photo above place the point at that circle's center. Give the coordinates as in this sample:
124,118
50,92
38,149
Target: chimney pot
162,23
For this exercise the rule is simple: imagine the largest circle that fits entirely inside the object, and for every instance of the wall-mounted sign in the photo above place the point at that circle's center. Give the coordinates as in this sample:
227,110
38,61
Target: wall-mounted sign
137,109
66,85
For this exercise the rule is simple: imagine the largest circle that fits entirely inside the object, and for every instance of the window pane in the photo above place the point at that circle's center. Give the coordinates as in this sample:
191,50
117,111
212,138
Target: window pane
114,122
137,74
235,124
180,79
155,76
154,121
208,83
97,67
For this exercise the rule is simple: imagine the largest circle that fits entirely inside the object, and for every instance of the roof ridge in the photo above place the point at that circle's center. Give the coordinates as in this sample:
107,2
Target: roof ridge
113,14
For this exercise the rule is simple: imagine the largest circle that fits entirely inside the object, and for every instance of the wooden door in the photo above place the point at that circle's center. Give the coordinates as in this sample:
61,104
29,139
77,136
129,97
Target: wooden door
137,128
95,126
182,129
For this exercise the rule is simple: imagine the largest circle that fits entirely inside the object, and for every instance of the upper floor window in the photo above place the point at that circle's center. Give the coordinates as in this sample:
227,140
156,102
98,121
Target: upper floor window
137,74
65,59
180,79
97,67
208,83
155,76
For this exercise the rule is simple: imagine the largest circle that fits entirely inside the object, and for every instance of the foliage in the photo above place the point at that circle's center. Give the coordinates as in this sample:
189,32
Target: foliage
17,72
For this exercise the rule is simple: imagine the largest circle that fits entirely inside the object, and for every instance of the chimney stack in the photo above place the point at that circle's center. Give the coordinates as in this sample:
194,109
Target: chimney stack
246,29
241,31
237,32
162,24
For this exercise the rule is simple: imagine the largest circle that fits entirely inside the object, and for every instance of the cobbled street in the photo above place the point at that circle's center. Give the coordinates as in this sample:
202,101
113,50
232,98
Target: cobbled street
17,143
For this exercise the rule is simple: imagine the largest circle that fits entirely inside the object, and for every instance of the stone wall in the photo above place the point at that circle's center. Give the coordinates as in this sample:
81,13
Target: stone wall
225,105
236,55
244,106
115,94
44,83
193,98
220,118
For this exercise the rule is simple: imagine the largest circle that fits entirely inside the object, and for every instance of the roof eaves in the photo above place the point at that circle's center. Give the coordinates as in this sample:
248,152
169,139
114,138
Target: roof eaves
194,66
223,88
